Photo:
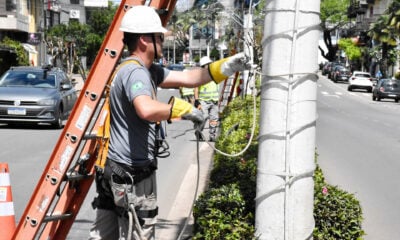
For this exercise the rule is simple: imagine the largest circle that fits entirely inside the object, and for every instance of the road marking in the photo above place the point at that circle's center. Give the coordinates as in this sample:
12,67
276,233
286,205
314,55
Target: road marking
326,94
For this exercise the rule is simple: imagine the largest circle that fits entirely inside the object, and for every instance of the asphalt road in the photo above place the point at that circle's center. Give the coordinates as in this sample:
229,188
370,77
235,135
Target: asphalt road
358,146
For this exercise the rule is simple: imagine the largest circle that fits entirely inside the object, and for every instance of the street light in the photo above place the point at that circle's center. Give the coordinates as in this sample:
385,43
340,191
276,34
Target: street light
173,19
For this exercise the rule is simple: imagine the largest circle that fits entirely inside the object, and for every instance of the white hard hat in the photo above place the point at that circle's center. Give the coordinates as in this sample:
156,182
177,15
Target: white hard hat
204,61
141,19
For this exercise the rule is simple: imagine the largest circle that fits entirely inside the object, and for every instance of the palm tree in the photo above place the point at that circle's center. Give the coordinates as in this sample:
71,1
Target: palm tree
385,38
199,17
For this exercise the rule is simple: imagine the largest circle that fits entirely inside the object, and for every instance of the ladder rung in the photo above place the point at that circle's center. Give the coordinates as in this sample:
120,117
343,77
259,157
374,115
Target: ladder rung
76,177
90,136
57,217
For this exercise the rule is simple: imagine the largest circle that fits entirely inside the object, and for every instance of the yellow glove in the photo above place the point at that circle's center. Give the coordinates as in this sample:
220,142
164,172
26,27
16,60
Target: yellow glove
185,110
222,69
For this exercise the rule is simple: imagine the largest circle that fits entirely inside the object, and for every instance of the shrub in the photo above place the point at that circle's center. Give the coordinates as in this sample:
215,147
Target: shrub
337,214
220,214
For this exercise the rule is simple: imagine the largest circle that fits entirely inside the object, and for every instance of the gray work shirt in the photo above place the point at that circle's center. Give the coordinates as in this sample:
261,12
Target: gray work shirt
132,139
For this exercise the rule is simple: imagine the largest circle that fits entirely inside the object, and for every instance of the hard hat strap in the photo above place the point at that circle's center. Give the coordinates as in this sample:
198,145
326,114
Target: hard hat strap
153,37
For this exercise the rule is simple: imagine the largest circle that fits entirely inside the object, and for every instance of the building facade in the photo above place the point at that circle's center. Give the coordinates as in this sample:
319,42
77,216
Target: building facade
26,20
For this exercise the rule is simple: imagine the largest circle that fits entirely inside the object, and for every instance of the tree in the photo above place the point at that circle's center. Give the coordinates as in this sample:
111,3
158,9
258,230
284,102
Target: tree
99,21
385,37
68,43
333,17
353,52
13,54
199,17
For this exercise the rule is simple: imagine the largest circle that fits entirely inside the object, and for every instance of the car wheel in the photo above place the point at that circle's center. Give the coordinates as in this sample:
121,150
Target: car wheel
396,100
349,88
369,90
58,121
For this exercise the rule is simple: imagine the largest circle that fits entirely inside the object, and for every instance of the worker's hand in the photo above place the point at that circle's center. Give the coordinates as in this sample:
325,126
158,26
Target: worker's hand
185,110
221,69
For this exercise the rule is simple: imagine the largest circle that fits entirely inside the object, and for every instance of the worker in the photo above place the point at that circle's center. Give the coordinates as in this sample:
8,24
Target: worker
129,173
206,99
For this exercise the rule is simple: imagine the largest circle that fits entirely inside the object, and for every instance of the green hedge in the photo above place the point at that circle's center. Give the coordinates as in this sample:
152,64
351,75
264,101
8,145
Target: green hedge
337,214
226,210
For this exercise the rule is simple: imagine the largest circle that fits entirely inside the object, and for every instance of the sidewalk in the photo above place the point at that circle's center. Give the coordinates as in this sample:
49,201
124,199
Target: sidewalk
184,200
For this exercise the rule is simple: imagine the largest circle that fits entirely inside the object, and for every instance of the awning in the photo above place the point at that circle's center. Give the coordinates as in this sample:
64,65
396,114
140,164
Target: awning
29,48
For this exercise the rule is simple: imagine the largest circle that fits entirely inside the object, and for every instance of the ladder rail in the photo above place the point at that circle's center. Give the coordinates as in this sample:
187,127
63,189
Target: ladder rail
44,206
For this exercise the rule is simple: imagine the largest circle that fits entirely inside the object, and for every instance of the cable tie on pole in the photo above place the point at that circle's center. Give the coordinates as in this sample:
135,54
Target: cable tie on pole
293,176
290,74
290,31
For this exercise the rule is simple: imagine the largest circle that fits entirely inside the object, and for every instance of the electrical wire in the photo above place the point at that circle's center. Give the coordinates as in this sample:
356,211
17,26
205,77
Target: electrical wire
253,129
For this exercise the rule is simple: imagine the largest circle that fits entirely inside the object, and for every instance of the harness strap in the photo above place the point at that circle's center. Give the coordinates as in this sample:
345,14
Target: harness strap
121,172
104,128
147,213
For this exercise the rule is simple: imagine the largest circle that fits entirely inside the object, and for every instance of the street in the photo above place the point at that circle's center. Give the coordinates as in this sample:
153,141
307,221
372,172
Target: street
357,143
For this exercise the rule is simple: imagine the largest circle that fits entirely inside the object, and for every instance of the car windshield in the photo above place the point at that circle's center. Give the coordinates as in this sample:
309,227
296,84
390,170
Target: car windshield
391,84
28,79
362,75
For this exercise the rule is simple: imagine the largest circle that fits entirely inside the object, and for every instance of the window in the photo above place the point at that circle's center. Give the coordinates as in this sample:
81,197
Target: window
74,1
11,5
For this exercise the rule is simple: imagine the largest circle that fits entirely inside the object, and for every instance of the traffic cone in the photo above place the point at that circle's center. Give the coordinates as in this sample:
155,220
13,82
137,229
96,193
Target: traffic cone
7,215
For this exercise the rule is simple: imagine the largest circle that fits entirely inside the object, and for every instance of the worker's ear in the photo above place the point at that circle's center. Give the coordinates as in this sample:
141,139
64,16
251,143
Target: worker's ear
143,42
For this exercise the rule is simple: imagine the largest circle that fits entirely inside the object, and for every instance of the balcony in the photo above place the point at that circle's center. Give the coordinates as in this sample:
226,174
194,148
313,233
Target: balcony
11,18
14,23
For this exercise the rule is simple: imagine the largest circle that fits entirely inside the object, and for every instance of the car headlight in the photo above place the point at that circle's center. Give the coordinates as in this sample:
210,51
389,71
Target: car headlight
48,102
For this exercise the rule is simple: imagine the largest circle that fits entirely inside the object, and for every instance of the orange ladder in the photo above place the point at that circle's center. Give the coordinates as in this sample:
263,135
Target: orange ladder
69,172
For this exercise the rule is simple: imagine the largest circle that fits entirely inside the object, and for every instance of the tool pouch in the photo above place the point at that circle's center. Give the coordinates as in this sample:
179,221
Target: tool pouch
124,193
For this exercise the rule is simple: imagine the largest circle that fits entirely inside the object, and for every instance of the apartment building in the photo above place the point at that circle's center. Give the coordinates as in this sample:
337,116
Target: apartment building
26,20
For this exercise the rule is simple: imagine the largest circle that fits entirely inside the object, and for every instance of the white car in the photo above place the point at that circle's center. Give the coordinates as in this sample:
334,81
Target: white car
360,80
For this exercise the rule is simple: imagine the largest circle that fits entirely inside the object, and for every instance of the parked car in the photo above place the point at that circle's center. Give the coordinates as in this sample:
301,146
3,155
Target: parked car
176,67
360,80
331,69
340,73
326,68
36,95
386,88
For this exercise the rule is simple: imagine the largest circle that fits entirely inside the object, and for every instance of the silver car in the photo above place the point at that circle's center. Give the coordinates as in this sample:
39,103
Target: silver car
36,95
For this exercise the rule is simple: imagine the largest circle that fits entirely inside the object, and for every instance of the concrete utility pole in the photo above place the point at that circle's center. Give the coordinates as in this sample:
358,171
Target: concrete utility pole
248,49
284,202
